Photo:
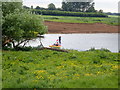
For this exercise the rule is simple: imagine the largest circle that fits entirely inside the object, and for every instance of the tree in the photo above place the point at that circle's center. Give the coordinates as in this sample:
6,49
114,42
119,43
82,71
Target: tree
37,7
100,11
31,7
64,6
25,7
9,7
91,8
21,26
40,8
77,6
51,6
58,9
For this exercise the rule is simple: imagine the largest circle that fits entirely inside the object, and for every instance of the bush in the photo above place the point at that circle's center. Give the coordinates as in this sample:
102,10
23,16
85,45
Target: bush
24,48
92,49
106,50
29,48
67,13
7,48
102,49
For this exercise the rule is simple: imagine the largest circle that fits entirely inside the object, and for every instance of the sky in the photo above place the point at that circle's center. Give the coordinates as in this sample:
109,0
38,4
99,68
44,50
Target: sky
105,5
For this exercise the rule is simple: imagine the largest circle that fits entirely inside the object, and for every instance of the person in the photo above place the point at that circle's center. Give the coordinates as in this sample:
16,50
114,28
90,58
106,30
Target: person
56,44
60,40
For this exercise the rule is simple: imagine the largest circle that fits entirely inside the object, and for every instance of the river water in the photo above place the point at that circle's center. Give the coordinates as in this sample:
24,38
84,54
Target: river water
81,42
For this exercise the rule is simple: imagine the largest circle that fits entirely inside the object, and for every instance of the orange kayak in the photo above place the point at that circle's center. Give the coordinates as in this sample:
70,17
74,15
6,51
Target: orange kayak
54,46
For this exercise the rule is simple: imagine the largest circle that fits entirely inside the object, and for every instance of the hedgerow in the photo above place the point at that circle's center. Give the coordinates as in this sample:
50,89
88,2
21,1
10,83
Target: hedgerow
68,13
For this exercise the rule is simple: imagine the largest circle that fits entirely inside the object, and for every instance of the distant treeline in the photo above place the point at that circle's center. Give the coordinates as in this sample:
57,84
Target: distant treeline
109,13
68,13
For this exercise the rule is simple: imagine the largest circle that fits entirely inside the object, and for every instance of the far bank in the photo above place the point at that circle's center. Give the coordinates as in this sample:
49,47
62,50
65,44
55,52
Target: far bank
61,27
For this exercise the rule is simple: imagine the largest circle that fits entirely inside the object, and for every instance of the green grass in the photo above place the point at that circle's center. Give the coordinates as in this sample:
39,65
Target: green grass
52,69
111,20
116,16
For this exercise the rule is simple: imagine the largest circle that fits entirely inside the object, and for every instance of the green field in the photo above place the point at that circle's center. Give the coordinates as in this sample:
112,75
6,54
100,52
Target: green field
111,20
115,16
52,69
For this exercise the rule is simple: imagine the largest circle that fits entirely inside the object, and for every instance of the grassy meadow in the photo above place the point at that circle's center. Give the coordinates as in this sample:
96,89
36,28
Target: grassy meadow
111,20
52,69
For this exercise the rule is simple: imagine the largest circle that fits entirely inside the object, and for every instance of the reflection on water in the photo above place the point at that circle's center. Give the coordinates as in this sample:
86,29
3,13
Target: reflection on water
81,42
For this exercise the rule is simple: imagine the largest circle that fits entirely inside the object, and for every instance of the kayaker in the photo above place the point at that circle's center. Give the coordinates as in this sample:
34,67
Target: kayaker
60,40
56,44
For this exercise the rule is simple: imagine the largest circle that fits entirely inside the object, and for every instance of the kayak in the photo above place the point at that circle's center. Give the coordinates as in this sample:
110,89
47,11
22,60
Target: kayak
54,46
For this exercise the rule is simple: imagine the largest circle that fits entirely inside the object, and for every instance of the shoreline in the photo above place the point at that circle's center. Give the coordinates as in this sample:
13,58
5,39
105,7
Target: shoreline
82,33
74,28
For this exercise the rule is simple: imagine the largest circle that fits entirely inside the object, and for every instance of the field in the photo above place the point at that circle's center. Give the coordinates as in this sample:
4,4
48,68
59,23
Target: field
115,16
111,20
52,69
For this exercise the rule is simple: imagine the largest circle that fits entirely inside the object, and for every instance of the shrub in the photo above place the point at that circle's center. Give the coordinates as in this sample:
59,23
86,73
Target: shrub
67,13
106,50
24,48
92,49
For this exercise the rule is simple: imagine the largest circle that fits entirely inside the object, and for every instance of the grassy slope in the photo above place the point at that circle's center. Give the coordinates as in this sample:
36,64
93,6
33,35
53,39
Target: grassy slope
38,69
112,20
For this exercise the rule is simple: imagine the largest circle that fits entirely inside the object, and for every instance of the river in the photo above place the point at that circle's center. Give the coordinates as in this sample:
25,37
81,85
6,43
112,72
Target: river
81,42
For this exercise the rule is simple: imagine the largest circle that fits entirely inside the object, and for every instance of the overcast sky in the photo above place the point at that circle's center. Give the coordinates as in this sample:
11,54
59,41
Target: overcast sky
105,5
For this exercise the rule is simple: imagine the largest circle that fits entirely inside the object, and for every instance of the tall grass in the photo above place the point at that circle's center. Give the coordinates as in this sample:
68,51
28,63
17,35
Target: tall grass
52,69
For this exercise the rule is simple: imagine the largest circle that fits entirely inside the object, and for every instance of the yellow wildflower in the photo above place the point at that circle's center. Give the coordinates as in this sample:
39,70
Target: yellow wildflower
51,77
59,67
41,71
88,74
77,75
99,73
115,67
65,76
39,77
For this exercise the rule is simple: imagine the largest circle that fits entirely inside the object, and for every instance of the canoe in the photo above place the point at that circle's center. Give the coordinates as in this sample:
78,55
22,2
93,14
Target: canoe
54,46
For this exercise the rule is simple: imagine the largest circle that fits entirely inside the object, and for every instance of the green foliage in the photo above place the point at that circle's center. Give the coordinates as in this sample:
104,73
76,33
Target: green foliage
51,6
25,7
52,69
24,48
92,49
20,48
102,49
22,26
67,13
9,7
91,8
78,6
106,50
19,25
37,7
